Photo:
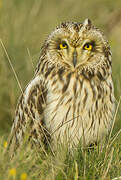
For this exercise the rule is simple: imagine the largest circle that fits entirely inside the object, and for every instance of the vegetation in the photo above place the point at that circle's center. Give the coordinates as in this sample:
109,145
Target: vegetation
23,27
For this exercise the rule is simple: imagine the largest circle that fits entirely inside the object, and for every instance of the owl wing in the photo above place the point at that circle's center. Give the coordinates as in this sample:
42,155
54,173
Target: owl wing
29,117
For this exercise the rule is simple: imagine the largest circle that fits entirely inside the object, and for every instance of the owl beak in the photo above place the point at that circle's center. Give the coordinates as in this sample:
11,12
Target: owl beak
75,58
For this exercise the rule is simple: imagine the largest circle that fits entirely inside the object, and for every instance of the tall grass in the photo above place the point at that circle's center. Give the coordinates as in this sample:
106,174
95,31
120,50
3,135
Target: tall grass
23,27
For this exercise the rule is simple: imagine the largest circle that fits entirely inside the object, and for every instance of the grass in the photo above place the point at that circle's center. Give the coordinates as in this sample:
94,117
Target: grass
99,163
23,27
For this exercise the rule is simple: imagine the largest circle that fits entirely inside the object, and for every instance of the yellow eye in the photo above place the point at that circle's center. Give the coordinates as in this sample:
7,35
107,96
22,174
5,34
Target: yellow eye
63,45
88,46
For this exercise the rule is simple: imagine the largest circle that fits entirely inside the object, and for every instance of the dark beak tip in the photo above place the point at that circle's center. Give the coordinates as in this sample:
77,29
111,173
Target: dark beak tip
74,62
74,58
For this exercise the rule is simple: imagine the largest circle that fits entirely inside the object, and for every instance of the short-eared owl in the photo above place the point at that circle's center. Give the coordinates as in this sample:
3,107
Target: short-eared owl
71,97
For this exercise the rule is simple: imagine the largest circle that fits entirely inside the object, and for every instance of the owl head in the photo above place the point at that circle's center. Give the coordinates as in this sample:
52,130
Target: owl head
78,47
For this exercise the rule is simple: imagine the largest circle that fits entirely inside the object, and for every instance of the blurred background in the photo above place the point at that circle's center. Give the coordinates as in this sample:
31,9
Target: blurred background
23,27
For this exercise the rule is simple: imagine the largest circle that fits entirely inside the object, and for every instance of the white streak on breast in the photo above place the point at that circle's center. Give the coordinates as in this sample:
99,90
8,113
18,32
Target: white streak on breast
30,88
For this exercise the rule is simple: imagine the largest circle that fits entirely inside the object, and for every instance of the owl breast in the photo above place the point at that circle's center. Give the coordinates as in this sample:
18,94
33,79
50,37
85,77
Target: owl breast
78,110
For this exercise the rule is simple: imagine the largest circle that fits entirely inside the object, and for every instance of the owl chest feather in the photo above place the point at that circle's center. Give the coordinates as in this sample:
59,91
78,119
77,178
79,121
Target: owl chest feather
76,108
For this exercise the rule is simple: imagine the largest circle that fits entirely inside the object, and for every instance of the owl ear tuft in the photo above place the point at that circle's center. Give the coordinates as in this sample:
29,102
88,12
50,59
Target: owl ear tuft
87,22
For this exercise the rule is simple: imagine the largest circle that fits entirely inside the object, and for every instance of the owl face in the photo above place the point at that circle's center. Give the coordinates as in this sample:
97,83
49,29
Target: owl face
77,46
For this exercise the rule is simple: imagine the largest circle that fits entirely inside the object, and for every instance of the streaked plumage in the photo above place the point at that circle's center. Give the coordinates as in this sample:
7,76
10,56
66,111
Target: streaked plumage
71,96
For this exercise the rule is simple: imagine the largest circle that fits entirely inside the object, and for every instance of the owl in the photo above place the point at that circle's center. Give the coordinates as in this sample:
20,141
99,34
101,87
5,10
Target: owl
71,96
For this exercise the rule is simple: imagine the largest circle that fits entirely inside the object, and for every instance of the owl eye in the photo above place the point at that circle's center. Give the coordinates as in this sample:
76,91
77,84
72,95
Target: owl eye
63,45
88,46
